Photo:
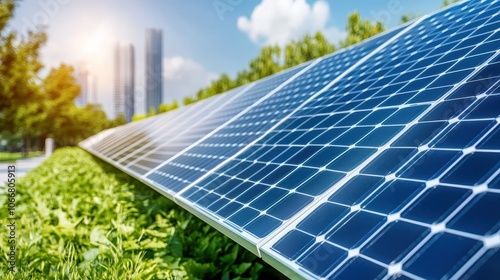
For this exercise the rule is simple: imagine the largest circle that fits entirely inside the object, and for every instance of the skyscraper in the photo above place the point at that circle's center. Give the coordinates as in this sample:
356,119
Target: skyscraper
82,77
124,80
154,85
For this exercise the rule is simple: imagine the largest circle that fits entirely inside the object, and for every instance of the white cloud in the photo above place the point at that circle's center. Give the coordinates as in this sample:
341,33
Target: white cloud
280,21
184,77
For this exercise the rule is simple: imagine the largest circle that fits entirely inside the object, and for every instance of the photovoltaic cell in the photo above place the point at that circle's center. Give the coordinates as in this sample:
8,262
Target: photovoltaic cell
379,161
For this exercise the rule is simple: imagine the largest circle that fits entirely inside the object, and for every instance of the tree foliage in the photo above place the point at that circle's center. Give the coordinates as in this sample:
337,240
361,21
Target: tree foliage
272,59
21,104
359,29
35,107
449,2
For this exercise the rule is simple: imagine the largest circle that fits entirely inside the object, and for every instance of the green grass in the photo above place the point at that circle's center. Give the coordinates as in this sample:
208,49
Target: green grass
11,157
80,218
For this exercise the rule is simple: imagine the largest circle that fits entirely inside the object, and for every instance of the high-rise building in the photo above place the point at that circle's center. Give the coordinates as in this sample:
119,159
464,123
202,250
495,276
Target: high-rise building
124,80
82,77
154,85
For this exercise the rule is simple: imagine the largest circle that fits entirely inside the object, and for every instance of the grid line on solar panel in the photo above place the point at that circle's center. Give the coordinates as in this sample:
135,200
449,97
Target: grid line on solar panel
107,141
170,134
230,221
182,123
121,140
297,71
193,159
178,120
473,105
263,87
380,125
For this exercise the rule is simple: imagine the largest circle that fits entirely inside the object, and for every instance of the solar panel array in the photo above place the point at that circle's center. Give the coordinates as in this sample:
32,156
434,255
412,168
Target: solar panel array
381,160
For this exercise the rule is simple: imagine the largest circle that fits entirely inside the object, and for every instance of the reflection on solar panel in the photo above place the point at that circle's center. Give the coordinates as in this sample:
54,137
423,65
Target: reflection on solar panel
381,160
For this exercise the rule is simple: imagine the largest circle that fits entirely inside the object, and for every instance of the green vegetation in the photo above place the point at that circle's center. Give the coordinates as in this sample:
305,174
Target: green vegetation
449,2
11,157
33,107
80,218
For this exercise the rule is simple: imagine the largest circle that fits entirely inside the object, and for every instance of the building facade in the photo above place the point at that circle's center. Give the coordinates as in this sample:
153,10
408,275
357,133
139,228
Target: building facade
154,84
124,80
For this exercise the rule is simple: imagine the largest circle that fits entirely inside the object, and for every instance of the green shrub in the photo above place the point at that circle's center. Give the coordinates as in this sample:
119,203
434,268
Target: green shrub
80,218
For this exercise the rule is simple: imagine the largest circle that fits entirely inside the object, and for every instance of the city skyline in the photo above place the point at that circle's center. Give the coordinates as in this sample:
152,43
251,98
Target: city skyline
153,69
205,40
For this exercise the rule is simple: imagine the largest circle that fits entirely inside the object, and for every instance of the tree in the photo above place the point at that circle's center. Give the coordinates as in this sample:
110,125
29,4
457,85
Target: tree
449,2
119,120
189,100
359,29
168,107
408,17
151,112
139,117
21,104
64,121
310,47
60,89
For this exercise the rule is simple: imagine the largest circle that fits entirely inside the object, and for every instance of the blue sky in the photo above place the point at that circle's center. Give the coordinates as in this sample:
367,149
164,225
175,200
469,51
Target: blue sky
202,38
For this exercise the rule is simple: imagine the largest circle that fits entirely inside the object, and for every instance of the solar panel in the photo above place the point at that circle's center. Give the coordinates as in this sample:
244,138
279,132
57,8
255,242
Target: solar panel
381,160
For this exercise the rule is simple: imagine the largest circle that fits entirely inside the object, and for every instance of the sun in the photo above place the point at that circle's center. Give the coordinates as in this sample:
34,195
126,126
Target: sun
95,40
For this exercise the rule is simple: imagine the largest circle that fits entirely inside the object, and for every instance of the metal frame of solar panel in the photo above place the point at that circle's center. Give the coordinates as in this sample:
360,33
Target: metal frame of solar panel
381,160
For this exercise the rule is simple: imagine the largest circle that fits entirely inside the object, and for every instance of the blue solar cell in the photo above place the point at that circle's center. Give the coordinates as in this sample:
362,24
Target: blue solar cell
303,155
387,161
492,141
351,159
293,243
429,163
447,109
356,229
229,209
401,236
322,258
472,88
289,205
462,134
436,204
263,225
244,216
359,268
473,169
486,267
418,134
268,198
481,216
491,71
352,136
327,136
320,182
380,136
356,189
294,179
252,192
488,108
393,196
325,156
377,116
277,174
323,218
447,250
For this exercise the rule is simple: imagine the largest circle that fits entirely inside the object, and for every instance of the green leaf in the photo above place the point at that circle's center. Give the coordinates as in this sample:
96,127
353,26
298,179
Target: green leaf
91,255
241,268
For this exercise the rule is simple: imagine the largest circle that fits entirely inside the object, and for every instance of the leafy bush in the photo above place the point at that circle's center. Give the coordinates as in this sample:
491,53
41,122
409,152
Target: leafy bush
79,218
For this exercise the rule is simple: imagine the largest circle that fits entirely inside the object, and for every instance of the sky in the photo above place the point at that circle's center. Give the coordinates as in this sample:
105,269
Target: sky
201,38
